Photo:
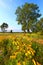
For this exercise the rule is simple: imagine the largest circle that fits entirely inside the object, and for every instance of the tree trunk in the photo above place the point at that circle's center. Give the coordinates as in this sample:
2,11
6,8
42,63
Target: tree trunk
28,30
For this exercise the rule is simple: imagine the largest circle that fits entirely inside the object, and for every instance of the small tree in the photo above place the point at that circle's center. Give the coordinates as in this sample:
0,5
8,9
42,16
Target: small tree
11,31
4,26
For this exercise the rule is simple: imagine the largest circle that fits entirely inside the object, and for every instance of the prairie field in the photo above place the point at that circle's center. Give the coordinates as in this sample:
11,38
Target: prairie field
21,49
21,32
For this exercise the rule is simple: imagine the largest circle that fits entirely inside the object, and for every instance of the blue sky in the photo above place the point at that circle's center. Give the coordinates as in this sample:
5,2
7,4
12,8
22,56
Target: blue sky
8,8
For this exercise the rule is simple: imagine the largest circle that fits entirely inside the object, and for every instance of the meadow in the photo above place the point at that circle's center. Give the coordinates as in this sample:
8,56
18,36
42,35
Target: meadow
21,49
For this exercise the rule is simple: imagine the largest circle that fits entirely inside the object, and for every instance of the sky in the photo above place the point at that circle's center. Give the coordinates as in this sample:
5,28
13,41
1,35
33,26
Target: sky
8,9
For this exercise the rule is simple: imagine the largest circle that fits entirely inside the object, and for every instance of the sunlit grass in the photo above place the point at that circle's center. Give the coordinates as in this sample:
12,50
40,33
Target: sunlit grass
20,49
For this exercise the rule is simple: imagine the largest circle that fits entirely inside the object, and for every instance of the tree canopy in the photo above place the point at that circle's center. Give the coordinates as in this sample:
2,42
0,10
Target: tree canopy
38,26
27,15
4,26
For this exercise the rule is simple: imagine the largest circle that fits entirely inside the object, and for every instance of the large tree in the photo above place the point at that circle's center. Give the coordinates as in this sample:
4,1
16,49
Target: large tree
4,26
27,15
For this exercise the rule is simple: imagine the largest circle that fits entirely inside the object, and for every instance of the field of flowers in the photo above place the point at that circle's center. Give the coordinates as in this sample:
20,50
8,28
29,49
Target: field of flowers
20,49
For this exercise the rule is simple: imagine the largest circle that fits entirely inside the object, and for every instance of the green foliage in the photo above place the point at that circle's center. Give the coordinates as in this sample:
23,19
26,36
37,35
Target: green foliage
4,26
29,62
39,52
38,27
18,57
6,48
27,15
1,60
11,62
35,46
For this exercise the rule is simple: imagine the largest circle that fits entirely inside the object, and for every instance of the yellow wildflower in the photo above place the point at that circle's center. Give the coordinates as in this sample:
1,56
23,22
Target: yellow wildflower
38,63
18,63
34,61
12,57
26,54
23,62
